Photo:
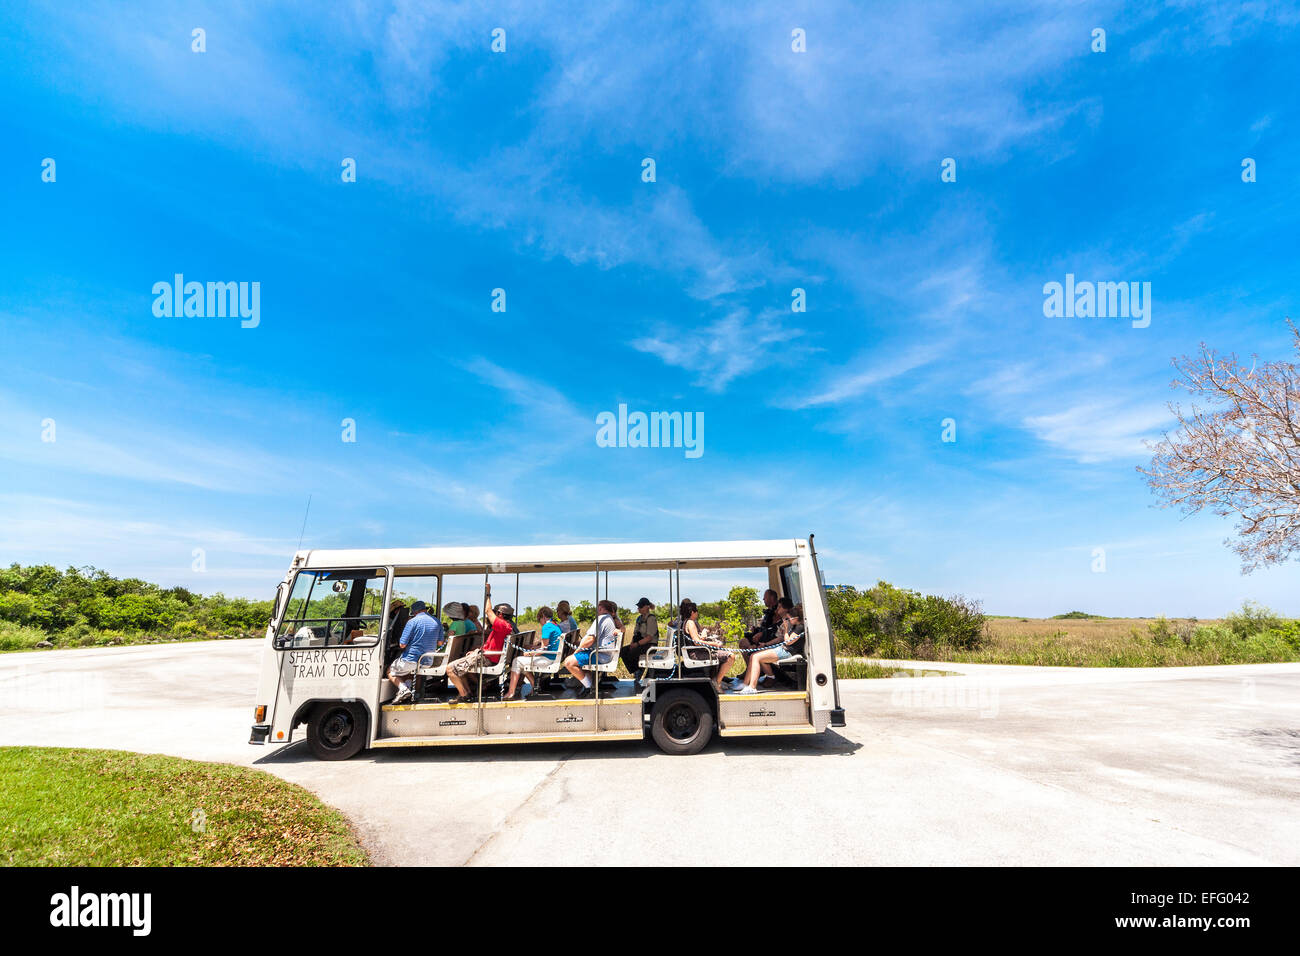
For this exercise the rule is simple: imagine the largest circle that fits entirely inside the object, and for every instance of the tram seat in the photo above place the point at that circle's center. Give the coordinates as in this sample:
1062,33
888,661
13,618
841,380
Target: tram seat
507,654
663,657
554,663
696,656
435,663
601,666
309,636
792,667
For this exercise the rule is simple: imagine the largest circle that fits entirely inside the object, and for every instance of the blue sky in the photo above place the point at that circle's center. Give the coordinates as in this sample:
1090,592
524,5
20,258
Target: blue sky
522,171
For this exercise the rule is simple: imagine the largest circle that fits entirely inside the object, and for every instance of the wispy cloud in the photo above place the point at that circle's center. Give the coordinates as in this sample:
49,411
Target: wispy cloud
735,345
854,381
145,451
1100,431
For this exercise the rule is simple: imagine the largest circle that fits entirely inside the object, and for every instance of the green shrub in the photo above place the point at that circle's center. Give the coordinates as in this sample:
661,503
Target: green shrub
19,637
85,607
1253,619
887,621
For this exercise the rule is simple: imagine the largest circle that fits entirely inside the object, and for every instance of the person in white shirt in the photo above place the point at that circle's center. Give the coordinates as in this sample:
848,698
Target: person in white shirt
601,640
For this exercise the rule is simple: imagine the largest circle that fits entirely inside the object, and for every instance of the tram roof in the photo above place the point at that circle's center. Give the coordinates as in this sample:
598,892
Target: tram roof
525,559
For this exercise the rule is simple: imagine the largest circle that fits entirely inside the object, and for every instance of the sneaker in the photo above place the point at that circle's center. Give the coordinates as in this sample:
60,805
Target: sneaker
461,700
402,695
584,693
746,690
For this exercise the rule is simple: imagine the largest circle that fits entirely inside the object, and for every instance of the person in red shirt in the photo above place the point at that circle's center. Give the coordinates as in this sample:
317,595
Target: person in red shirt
499,628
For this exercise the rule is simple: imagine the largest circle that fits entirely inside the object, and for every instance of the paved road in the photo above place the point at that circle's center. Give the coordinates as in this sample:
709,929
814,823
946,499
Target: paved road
1000,765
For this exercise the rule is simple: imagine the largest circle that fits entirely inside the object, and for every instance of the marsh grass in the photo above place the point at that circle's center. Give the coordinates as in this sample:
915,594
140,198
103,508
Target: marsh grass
1134,642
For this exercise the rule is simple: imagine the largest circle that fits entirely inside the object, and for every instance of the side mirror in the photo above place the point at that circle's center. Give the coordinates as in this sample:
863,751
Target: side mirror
278,604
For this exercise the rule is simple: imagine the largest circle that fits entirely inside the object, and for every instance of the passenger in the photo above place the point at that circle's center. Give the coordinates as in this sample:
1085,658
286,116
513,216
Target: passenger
461,623
693,635
792,641
601,638
471,620
564,617
645,635
542,654
423,633
499,621
763,633
398,615
770,673
355,630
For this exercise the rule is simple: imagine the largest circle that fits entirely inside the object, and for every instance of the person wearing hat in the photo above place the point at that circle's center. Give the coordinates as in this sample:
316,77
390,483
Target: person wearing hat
422,634
645,635
398,615
499,628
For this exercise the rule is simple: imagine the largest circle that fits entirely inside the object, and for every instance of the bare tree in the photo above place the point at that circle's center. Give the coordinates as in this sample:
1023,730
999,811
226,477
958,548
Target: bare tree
1240,454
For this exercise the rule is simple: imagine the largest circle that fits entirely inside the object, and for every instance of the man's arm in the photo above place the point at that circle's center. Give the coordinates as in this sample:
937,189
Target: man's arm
490,614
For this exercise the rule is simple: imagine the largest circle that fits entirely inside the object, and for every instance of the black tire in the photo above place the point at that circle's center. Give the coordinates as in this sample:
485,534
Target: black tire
336,731
681,723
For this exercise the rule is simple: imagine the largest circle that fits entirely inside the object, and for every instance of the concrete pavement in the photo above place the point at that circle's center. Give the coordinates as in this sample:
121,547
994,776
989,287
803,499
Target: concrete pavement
997,765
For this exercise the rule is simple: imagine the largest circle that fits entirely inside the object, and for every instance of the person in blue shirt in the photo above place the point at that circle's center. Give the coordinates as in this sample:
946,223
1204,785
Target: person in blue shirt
542,654
422,634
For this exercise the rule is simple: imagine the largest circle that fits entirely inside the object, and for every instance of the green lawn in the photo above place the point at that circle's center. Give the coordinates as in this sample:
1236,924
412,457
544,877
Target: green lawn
61,807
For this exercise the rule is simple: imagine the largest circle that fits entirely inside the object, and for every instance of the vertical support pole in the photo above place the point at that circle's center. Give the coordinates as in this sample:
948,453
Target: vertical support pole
595,647
479,709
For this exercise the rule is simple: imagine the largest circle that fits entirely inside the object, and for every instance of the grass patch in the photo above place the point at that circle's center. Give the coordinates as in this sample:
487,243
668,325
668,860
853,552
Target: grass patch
70,807
1130,642
853,668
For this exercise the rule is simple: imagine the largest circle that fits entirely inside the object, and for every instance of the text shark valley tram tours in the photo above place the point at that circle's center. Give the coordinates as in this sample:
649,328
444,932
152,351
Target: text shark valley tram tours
340,617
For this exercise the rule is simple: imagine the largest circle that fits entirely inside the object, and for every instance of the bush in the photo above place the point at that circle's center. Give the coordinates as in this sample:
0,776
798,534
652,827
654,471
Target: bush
84,607
17,637
887,621
1253,619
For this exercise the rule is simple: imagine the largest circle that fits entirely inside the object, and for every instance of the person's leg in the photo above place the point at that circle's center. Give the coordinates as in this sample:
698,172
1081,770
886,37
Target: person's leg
399,673
581,661
630,655
571,665
514,678
459,672
757,663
